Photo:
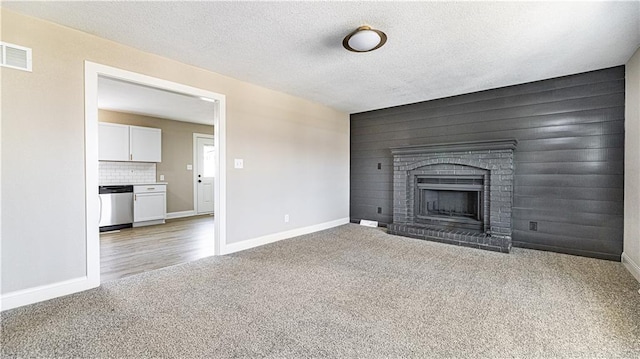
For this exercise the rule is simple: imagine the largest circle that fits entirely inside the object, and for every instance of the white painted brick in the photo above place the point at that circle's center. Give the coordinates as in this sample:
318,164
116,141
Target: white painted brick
126,172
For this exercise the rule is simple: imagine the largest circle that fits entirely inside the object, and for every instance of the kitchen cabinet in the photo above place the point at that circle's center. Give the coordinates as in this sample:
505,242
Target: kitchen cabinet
149,204
129,143
113,142
145,144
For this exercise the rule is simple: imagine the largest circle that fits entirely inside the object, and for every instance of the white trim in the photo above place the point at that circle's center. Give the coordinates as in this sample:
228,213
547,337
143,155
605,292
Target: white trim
44,292
148,223
632,267
220,186
194,161
92,72
270,238
92,203
0,193
182,214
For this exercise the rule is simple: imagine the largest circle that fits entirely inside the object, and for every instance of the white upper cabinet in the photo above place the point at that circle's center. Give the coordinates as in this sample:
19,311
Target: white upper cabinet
146,144
113,142
129,143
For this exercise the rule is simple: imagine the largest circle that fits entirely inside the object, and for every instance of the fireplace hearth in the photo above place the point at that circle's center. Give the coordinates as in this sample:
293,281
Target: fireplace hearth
455,193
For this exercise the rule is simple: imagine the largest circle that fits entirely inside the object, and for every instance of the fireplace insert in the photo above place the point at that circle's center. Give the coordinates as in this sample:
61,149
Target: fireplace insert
454,202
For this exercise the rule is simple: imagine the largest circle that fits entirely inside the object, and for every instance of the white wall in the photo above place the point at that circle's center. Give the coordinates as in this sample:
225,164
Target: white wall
631,252
296,152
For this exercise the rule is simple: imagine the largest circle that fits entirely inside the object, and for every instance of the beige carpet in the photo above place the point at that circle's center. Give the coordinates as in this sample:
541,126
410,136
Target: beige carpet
346,292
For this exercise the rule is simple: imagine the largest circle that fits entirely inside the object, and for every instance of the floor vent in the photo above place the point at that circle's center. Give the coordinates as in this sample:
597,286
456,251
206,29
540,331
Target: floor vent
15,57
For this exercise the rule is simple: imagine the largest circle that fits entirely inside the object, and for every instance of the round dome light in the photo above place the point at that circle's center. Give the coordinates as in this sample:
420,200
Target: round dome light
364,39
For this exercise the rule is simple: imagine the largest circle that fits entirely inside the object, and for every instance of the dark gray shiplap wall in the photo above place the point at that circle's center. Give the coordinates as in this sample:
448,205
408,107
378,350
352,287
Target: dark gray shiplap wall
569,160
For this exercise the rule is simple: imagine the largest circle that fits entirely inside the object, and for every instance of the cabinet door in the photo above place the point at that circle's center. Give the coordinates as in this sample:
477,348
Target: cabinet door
113,142
146,144
149,206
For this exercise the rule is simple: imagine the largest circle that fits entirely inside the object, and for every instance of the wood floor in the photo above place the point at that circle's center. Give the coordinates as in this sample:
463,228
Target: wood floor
136,250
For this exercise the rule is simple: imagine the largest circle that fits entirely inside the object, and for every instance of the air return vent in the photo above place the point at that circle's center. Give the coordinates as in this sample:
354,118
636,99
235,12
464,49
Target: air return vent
15,57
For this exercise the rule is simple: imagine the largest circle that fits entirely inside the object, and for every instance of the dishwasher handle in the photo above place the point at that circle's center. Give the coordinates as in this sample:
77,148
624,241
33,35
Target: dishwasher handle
100,216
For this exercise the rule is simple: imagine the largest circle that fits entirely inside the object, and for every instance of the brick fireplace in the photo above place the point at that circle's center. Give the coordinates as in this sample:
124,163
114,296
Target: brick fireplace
459,193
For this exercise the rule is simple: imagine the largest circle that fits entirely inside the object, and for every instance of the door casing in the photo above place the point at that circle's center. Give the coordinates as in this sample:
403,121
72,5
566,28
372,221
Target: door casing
92,72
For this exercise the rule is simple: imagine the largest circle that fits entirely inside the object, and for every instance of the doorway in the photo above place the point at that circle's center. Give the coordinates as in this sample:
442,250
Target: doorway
95,71
204,173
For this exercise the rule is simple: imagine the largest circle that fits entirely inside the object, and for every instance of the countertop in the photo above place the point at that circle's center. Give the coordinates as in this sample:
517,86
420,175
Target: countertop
133,184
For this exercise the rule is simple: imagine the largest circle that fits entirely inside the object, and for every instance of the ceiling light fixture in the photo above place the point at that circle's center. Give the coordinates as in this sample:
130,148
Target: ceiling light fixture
364,39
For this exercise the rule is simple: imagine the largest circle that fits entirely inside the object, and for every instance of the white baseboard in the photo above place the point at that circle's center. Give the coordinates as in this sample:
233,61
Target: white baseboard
255,242
631,266
44,292
182,214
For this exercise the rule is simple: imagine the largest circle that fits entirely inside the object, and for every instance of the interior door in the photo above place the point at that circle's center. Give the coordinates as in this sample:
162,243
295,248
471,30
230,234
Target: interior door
205,173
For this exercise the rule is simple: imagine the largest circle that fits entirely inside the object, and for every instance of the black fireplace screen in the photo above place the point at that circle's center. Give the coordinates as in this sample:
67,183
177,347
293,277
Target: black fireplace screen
450,203
451,198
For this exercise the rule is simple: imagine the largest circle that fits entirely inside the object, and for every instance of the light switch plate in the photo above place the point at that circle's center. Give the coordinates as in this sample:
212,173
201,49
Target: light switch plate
238,163
189,167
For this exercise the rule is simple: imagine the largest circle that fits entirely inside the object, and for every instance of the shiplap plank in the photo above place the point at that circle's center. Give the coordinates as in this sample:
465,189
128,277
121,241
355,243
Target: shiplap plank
569,168
464,113
603,122
578,218
564,192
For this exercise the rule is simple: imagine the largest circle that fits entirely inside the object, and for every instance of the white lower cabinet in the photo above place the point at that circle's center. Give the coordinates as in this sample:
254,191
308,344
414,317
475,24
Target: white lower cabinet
149,204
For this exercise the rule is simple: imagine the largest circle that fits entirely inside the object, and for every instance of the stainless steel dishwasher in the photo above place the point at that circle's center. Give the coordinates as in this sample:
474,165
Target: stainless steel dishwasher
116,207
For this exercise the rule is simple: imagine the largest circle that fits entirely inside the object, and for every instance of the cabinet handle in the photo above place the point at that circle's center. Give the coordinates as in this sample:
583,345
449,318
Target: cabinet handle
135,197
150,188
130,156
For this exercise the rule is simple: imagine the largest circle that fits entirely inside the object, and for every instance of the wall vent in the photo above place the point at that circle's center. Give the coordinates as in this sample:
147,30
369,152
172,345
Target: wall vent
15,57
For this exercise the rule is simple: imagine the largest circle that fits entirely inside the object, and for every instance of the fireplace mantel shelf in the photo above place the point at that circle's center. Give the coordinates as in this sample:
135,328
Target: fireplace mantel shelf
509,144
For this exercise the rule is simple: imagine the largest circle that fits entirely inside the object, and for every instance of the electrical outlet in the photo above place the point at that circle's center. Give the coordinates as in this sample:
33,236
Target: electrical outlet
533,226
161,177
379,209
238,163
286,218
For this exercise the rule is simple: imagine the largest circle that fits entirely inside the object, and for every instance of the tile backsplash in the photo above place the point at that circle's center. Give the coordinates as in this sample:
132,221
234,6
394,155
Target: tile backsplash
126,172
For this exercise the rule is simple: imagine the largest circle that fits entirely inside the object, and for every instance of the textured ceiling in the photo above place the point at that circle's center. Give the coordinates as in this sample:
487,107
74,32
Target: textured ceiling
434,49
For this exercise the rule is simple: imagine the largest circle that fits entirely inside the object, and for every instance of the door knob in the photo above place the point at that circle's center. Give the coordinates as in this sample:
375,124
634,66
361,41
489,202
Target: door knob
199,181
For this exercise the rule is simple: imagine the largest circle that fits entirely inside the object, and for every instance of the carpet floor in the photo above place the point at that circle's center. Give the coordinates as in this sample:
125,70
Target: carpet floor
349,291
